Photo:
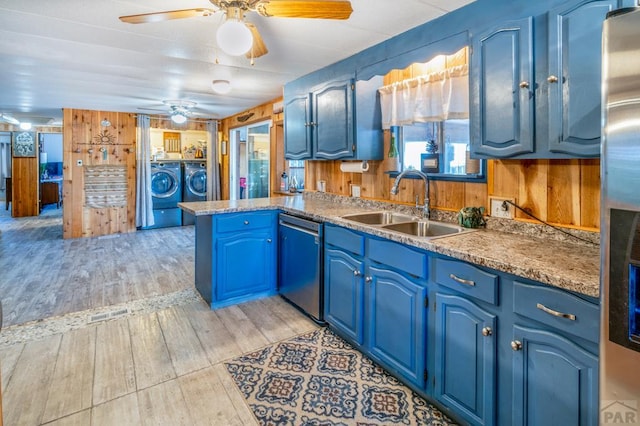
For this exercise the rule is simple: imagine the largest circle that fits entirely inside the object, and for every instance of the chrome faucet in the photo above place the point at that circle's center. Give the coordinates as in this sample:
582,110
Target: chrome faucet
426,210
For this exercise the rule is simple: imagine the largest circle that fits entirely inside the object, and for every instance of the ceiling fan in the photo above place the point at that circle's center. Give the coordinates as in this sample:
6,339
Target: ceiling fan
179,110
236,36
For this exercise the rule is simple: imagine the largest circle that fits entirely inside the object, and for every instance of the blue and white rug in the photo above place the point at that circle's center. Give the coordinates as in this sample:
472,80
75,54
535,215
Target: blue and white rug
319,379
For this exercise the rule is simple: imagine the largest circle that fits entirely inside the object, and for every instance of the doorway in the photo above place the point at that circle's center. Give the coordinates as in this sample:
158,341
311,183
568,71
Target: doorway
249,161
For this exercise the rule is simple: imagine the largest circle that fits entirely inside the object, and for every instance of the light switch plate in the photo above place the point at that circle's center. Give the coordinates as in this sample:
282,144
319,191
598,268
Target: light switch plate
499,207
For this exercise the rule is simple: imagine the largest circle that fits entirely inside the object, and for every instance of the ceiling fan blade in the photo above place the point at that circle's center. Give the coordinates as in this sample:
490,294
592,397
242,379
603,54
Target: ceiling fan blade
165,16
321,9
258,48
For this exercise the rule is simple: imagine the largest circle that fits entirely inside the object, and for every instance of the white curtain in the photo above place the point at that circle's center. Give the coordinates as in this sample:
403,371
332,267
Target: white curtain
5,159
437,96
144,203
213,165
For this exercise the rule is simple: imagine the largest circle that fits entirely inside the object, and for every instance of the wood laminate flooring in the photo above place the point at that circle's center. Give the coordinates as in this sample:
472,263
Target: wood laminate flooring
42,275
160,368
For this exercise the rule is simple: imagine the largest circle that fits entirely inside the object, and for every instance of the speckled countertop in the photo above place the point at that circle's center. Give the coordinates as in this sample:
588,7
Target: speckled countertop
560,263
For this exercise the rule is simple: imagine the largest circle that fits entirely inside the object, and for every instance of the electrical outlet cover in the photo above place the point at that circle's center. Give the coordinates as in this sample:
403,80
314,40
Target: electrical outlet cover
497,209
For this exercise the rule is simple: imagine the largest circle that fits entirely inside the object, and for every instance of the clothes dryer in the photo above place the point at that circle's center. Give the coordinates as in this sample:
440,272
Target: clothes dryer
194,186
166,193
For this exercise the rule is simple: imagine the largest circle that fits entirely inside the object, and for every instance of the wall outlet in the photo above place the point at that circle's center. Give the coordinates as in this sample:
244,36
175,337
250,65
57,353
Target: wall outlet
355,190
500,207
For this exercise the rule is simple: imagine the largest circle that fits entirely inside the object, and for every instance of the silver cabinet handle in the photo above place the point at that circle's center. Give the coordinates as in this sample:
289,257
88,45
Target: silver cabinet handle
487,331
555,313
552,79
516,345
368,279
246,222
524,84
269,240
462,280
356,273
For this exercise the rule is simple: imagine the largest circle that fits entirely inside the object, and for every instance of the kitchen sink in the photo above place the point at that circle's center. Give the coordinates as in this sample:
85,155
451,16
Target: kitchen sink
426,228
379,218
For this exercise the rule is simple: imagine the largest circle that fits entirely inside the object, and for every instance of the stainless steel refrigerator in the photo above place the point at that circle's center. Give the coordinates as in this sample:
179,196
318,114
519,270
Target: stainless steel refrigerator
620,230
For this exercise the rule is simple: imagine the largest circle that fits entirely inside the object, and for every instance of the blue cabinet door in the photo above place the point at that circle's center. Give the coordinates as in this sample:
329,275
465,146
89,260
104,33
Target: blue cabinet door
396,327
502,87
245,265
465,358
333,128
574,78
344,296
555,381
297,128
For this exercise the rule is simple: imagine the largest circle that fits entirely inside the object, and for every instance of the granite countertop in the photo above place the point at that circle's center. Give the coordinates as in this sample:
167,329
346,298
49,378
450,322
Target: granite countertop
567,265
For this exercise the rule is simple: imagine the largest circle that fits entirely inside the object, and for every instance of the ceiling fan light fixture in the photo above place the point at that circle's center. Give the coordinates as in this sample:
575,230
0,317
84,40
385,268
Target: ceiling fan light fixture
233,37
178,117
221,87
25,126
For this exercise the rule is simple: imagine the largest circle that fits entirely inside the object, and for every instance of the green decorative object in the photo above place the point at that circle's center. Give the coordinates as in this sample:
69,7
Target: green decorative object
471,217
393,148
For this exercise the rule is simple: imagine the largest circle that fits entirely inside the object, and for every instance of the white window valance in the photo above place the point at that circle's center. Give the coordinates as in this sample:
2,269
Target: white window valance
438,96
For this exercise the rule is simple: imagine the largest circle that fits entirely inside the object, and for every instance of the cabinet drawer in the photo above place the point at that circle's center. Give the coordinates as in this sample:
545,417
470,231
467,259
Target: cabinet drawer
467,279
345,239
399,257
558,309
235,222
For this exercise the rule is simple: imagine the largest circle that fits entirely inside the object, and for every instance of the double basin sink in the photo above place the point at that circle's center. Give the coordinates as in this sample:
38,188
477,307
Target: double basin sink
406,224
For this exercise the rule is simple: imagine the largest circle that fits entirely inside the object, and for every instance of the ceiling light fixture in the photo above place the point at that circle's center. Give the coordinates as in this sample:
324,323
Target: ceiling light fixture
178,117
221,86
233,36
25,126
9,119
105,123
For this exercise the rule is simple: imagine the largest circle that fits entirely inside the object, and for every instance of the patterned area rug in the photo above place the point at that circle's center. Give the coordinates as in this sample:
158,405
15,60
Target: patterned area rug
319,379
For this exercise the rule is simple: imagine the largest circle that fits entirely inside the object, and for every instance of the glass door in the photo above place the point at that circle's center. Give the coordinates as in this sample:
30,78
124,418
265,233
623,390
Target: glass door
249,161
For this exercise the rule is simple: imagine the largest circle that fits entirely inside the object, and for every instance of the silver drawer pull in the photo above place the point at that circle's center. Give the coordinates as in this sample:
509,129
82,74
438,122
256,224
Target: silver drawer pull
555,313
462,280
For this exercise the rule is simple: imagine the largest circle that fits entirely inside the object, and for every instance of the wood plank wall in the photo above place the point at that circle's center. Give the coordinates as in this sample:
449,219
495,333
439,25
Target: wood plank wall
253,115
562,192
81,127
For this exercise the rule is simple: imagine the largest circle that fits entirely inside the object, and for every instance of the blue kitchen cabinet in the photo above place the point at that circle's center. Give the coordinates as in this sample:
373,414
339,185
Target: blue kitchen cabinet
339,119
465,358
574,77
539,97
501,77
555,381
396,326
332,126
297,131
242,259
344,293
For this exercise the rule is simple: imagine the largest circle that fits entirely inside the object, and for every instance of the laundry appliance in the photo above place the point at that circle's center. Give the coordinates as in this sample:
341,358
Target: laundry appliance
194,186
166,193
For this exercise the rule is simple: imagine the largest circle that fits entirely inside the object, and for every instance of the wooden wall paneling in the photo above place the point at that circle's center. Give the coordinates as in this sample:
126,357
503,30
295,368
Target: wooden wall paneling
532,189
25,186
276,154
506,178
564,192
446,195
590,193
475,195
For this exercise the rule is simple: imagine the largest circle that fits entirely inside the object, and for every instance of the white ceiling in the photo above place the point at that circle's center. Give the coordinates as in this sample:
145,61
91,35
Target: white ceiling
78,54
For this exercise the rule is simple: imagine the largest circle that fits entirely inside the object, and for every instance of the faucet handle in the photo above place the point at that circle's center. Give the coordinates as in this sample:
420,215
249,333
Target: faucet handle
417,201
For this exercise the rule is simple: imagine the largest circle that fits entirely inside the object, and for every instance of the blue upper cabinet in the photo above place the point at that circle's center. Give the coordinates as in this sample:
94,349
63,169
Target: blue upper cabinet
297,131
337,120
539,96
501,90
332,125
574,78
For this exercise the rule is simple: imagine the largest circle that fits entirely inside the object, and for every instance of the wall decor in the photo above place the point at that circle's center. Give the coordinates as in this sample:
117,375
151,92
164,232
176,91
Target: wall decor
24,144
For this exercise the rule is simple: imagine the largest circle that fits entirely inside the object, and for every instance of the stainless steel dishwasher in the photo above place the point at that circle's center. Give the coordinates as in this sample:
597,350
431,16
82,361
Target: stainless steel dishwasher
300,270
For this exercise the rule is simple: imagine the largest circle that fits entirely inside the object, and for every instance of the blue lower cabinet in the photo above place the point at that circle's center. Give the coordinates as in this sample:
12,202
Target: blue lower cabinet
396,326
465,359
344,295
555,381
